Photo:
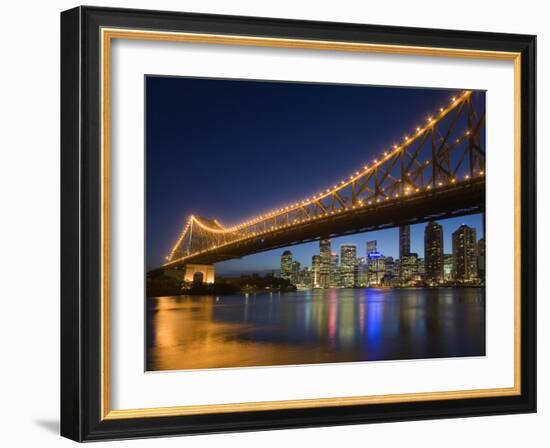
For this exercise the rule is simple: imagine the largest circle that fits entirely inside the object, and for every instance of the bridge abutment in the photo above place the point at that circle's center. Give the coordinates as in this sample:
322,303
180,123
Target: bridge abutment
199,273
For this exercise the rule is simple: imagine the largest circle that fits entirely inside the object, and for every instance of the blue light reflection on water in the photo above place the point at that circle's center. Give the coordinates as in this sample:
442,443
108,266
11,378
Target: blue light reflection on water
334,325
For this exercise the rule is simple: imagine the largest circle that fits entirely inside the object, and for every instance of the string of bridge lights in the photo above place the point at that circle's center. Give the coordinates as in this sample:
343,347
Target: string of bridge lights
408,139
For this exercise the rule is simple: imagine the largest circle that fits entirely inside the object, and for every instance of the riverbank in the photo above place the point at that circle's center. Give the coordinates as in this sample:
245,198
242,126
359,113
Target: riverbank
162,285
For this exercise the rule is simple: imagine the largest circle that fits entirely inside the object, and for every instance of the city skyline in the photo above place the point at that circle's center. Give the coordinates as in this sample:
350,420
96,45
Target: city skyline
465,265
387,244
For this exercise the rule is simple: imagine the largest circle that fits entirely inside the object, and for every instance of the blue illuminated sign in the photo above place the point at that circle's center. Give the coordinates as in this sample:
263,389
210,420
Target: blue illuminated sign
374,255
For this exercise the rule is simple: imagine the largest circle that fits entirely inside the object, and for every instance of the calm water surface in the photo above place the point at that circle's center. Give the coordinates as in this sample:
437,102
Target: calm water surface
317,326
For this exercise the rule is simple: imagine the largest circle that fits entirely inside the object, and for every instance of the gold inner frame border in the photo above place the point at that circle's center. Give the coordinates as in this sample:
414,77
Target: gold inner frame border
107,35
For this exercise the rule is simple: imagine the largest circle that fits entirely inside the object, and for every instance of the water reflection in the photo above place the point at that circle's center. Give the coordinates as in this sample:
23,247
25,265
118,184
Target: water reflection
319,326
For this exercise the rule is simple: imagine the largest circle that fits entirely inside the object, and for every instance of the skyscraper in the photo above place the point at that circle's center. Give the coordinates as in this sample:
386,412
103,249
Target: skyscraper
324,269
295,278
306,277
397,269
465,254
315,270
286,265
348,265
389,270
447,267
421,268
409,267
433,252
404,241
376,267
362,272
371,246
334,275
404,248
371,262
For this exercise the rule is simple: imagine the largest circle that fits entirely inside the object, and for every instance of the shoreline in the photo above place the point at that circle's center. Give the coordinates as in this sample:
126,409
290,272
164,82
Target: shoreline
274,291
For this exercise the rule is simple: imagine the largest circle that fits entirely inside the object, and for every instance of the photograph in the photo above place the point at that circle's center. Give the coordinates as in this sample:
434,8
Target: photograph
299,223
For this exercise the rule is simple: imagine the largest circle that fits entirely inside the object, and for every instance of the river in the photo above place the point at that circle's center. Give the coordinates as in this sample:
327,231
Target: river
314,326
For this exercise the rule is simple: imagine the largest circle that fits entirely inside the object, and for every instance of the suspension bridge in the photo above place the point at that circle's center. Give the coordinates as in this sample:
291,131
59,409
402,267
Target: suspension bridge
435,171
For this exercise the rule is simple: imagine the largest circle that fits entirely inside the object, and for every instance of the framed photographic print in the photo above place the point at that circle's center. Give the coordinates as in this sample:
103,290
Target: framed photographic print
274,224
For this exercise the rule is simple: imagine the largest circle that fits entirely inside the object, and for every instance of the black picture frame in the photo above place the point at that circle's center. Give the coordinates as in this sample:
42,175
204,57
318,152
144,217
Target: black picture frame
81,224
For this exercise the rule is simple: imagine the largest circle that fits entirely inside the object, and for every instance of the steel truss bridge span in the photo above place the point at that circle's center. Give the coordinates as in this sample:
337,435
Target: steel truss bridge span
436,171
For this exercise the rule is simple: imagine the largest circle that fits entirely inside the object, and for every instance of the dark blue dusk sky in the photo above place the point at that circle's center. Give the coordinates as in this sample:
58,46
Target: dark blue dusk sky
232,149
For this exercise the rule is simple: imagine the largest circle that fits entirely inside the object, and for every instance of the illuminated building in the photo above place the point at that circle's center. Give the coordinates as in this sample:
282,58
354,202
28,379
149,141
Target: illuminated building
465,254
348,265
306,277
448,267
377,268
404,240
409,267
371,246
295,277
334,275
397,269
421,268
362,272
324,270
433,252
404,248
389,269
286,265
315,271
